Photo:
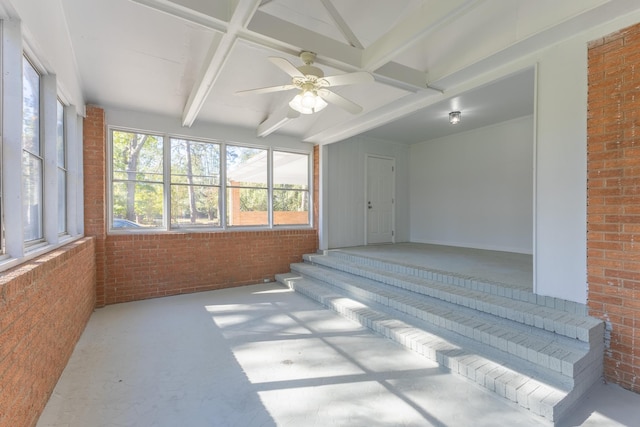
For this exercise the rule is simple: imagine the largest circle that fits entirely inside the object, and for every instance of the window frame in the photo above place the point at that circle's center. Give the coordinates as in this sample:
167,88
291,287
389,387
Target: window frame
15,248
267,188
64,168
219,186
308,190
110,174
40,157
223,187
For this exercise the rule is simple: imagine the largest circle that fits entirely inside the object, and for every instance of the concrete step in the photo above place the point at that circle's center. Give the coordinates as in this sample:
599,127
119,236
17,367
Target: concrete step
470,294
545,350
546,399
543,357
453,278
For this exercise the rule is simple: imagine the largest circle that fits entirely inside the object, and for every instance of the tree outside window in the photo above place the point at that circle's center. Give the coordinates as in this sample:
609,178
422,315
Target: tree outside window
290,188
195,184
247,191
192,193
137,189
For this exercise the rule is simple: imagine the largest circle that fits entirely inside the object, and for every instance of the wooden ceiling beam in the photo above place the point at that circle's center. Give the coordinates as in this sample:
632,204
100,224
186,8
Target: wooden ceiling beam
217,56
413,29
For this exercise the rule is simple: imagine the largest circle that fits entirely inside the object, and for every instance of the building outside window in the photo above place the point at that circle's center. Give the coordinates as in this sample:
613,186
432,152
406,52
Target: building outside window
290,188
247,184
197,189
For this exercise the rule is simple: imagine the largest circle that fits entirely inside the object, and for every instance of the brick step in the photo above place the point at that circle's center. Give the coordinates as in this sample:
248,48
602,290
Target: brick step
469,294
453,278
542,353
549,353
547,394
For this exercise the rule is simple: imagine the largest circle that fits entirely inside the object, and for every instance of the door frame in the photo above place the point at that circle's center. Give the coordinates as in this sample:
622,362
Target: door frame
366,196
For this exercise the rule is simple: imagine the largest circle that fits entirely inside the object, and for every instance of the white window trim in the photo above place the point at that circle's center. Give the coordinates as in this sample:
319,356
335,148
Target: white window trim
16,250
223,227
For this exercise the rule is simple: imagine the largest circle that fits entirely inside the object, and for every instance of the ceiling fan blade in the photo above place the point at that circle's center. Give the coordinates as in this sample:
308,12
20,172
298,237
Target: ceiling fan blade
285,66
265,90
350,78
340,101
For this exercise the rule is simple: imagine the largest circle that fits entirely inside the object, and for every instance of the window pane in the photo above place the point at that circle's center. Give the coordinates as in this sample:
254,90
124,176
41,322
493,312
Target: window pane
195,162
62,162
247,206
62,173
290,207
290,170
246,167
195,168
137,190
194,206
137,205
137,157
62,201
30,108
32,196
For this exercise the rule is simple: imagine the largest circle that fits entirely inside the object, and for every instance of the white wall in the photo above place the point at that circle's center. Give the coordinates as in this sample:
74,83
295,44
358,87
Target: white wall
561,228
46,38
346,189
560,258
475,189
149,122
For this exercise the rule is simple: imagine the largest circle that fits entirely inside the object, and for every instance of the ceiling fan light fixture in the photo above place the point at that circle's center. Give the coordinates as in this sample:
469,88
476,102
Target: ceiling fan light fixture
455,117
307,102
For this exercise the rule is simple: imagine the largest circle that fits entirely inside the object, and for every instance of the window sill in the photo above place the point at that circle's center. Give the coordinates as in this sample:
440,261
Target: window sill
7,262
229,229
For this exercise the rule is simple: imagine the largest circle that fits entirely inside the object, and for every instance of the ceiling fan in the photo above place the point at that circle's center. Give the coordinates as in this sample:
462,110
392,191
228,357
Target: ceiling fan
313,86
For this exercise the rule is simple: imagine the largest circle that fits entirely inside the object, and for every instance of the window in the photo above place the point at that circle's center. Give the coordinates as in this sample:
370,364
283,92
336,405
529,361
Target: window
290,188
32,156
40,153
137,190
195,184
61,149
247,186
163,182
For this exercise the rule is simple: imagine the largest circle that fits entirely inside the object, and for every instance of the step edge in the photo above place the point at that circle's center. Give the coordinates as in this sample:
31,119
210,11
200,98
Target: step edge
399,306
578,325
548,406
474,282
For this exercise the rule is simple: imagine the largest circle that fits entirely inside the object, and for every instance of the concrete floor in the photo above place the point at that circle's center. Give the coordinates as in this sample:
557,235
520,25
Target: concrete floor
508,268
263,355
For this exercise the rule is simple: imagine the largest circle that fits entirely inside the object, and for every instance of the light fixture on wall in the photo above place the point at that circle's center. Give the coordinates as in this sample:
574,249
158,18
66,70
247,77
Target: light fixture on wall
454,117
307,101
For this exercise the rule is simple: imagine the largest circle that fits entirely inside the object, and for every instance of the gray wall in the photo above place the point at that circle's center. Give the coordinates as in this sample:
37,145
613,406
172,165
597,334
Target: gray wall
346,189
475,189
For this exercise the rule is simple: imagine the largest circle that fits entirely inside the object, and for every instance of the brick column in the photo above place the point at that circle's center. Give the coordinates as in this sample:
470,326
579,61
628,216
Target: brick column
94,152
613,198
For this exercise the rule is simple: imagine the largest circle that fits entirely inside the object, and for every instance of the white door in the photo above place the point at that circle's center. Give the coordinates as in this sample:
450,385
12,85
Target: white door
380,199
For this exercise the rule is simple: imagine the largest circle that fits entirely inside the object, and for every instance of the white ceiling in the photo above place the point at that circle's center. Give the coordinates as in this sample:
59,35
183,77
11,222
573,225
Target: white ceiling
188,58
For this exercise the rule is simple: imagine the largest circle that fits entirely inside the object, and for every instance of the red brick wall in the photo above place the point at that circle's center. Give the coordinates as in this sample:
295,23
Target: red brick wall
44,306
613,192
94,157
148,266
133,267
